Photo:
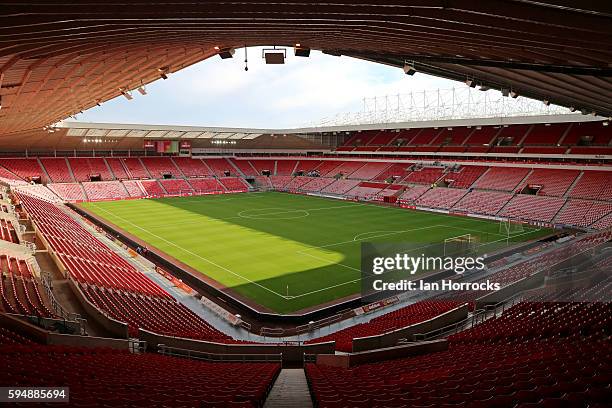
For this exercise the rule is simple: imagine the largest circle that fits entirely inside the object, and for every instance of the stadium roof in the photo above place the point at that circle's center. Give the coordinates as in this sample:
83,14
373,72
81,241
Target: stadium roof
59,58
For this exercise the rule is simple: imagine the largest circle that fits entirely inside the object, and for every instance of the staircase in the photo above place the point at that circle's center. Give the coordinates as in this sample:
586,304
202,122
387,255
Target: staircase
70,169
571,187
289,390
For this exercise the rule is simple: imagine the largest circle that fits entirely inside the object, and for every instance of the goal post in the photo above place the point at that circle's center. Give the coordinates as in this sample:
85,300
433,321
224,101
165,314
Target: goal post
509,227
459,245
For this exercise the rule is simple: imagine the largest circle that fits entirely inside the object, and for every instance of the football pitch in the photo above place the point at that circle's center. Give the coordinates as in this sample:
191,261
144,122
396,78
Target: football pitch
285,252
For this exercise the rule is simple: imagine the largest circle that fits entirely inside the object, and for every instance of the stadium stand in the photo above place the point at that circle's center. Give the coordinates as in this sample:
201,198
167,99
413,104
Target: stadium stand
483,202
264,165
545,134
286,167
68,191
19,289
412,193
206,185
235,184
465,176
369,171
279,182
85,167
340,186
530,207
316,184
297,183
25,168
583,212
57,169
158,167
104,190
134,168
397,171
152,188
191,167
441,197
136,380
176,186
245,167
7,231
133,188
550,182
596,185
425,175
501,178
116,166
219,167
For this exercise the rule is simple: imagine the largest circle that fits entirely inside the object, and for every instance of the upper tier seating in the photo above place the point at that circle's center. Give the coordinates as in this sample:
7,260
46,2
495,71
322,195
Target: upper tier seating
24,168
234,184
341,186
137,380
68,191
206,185
554,182
219,167
483,202
364,192
176,186
192,167
245,167
57,169
263,181
104,190
84,167
153,188
403,317
440,197
383,138
19,292
512,135
599,135
604,223
501,178
425,137
482,137
369,171
596,185
465,177
133,188
532,207
135,169
453,136
158,166
285,167
116,166
545,134
426,175
583,212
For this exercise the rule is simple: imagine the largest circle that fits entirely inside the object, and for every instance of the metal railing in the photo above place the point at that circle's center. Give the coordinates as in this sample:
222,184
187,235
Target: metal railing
228,358
58,309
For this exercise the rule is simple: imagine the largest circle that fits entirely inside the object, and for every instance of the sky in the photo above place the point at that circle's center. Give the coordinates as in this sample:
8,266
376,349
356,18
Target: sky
218,92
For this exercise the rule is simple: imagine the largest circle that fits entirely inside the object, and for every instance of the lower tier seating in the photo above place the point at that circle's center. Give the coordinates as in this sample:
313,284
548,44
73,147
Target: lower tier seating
483,202
104,190
440,197
105,377
532,207
583,212
19,289
68,191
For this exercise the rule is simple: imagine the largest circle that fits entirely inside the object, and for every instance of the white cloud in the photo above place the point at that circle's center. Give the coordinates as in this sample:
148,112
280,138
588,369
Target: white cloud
220,93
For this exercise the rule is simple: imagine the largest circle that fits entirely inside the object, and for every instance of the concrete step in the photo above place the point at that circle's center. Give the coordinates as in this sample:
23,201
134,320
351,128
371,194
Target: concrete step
290,390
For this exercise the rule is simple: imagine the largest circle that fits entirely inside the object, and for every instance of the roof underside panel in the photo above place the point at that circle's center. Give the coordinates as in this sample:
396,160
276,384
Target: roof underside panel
59,58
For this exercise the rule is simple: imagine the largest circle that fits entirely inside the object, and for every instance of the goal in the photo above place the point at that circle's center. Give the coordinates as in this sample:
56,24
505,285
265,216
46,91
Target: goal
509,227
459,245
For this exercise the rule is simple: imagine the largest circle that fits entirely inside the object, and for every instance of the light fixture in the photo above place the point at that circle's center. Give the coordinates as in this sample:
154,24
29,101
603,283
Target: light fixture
471,83
274,56
514,94
483,88
546,102
409,69
127,94
300,51
572,109
142,90
163,72
605,123
226,53
0,101
505,92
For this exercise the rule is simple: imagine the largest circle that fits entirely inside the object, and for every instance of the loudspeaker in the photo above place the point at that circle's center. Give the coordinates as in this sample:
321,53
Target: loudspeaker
226,53
274,57
302,52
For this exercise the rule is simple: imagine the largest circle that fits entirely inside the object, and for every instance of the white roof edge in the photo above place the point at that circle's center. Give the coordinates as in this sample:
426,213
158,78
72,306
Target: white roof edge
514,120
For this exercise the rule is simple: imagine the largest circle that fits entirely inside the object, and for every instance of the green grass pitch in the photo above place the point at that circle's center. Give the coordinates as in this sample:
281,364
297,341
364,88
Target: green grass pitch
285,252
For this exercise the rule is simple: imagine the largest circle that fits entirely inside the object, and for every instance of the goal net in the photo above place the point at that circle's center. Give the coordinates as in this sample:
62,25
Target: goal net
510,227
459,245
